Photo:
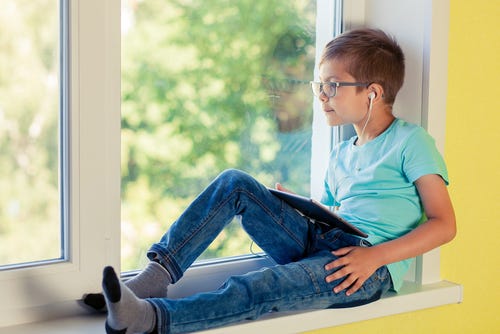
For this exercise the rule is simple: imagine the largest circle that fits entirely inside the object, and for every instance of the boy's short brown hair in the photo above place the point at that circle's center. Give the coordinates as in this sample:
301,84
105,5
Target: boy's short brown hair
371,56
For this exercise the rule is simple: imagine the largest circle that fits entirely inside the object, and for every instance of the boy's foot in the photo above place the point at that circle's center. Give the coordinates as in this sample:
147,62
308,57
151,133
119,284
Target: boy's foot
94,302
126,313
153,281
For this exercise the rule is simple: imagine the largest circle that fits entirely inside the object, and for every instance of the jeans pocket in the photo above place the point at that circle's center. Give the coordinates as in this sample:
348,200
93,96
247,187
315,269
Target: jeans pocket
380,279
334,239
329,240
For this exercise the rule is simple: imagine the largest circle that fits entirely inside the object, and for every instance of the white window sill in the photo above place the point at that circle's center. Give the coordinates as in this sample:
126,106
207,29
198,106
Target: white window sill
412,297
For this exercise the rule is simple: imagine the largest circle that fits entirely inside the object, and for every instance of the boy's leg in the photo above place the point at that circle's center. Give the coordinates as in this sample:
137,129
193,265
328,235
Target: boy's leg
276,227
295,286
152,281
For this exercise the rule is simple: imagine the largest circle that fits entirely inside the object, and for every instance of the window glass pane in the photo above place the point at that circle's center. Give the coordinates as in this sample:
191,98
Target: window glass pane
209,85
30,223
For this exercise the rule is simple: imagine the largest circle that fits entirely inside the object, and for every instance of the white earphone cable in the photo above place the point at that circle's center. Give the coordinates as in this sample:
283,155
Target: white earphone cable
368,118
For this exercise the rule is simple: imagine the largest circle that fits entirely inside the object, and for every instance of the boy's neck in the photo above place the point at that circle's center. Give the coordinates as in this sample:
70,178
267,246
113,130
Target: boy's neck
376,126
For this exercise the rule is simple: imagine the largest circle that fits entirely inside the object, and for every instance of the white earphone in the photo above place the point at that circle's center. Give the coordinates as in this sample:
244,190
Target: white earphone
371,96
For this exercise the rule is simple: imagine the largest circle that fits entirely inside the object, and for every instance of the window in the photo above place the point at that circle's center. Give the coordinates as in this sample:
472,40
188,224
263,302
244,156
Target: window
32,149
93,99
83,77
208,86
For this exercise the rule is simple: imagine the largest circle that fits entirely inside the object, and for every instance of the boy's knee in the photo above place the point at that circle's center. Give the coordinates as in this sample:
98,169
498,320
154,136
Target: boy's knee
234,176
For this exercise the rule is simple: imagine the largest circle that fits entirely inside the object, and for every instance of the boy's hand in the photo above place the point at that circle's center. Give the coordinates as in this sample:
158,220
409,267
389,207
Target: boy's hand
355,264
280,187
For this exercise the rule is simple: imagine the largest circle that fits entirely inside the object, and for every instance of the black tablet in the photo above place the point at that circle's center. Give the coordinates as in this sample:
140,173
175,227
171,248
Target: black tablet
317,212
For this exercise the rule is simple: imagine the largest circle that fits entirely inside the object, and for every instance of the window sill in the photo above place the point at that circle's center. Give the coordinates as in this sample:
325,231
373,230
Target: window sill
411,298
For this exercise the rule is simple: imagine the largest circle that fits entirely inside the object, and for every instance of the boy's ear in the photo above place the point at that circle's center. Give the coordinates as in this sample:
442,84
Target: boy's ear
376,91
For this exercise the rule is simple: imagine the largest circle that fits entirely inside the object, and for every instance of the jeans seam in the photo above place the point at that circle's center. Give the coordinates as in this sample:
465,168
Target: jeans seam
270,213
216,209
312,277
203,223
171,255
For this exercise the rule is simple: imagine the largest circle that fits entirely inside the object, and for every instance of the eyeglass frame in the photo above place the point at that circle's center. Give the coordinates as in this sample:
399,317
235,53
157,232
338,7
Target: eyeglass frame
335,85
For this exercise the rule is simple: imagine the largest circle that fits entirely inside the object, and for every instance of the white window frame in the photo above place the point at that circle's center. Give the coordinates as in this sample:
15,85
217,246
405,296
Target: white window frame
34,293
38,293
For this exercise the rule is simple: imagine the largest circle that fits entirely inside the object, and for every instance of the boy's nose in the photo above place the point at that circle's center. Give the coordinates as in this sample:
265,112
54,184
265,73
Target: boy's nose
322,97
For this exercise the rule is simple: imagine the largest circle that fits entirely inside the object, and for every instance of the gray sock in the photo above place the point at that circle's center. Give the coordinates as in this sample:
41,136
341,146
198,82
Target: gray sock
153,281
126,313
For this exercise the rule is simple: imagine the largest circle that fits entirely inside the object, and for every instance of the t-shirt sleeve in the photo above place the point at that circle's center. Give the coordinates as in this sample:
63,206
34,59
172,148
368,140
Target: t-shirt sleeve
420,157
327,197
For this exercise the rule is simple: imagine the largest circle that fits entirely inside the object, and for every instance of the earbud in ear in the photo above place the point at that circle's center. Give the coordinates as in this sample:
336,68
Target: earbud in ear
372,95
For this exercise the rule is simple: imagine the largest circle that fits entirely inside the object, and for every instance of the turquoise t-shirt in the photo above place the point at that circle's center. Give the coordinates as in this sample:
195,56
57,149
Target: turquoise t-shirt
373,184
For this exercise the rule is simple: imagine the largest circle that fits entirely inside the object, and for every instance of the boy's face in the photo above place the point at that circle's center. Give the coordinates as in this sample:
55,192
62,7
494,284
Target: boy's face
348,106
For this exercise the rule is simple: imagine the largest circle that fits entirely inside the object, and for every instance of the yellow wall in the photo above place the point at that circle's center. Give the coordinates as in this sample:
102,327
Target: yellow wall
472,152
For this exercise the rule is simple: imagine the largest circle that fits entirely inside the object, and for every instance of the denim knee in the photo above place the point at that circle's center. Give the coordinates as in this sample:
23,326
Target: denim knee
233,175
235,178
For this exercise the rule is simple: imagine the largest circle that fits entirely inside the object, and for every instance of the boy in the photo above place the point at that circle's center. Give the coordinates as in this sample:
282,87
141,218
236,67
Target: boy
381,181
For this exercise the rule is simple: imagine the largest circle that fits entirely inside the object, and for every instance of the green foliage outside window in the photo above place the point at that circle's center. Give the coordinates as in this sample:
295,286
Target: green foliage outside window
206,85
29,114
210,85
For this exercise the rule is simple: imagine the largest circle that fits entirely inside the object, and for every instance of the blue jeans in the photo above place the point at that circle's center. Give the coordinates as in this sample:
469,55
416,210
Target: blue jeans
300,248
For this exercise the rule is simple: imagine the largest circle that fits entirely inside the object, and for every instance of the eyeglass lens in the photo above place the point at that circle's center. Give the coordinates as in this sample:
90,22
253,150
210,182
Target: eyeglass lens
326,88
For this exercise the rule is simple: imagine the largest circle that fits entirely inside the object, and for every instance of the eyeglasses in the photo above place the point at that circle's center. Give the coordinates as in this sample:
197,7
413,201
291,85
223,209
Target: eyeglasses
330,88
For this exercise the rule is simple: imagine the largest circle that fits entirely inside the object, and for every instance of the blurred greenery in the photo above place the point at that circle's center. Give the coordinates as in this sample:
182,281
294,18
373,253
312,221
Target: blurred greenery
206,85
29,114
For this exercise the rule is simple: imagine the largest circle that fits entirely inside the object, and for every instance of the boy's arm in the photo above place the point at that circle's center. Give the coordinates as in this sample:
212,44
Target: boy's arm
358,263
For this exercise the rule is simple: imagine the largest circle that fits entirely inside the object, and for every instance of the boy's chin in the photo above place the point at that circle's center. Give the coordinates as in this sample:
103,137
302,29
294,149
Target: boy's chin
336,122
